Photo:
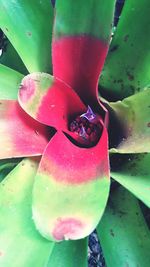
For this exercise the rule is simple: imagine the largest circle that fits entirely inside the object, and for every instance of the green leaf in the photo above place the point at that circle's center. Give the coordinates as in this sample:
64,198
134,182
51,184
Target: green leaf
127,68
20,243
28,26
133,114
9,82
11,59
124,235
69,254
135,176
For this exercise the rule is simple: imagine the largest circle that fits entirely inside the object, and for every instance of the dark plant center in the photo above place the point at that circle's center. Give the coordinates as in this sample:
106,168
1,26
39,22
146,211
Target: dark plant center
87,127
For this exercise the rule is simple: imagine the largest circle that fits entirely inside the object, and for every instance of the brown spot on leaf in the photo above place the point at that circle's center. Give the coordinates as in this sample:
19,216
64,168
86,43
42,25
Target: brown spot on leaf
32,165
29,33
114,48
148,124
122,213
130,76
119,81
112,232
126,38
132,89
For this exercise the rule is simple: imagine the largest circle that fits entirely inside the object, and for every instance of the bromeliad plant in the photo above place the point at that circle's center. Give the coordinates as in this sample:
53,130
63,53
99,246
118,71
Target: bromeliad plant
60,126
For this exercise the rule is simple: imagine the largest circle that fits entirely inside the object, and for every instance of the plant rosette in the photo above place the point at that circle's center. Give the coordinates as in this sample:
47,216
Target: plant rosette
61,125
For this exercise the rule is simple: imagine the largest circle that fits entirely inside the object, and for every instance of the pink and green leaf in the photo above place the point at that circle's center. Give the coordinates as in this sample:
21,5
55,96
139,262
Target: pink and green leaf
123,232
28,26
133,114
134,175
49,100
20,135
126,70
80,43
9,82
71,190
18,234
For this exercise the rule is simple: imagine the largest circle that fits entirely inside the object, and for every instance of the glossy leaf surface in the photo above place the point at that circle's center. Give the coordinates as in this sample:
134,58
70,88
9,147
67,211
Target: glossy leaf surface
133,114
124,235
9,82
135,176
127,69
20,243
28,26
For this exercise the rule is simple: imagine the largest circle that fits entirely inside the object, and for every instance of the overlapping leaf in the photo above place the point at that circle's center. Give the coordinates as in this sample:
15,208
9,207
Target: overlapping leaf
18,233
66,168
6,166
9,82
133,114
135,176
28,26
124,235
80,43
69,254
11,59
20,135
127,69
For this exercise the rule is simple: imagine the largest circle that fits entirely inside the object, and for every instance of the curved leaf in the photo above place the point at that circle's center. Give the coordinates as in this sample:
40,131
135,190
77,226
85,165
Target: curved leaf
49,100
17,231
71,188
135,176
9,82
127,68
81,37
133,114
124,235
28,26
